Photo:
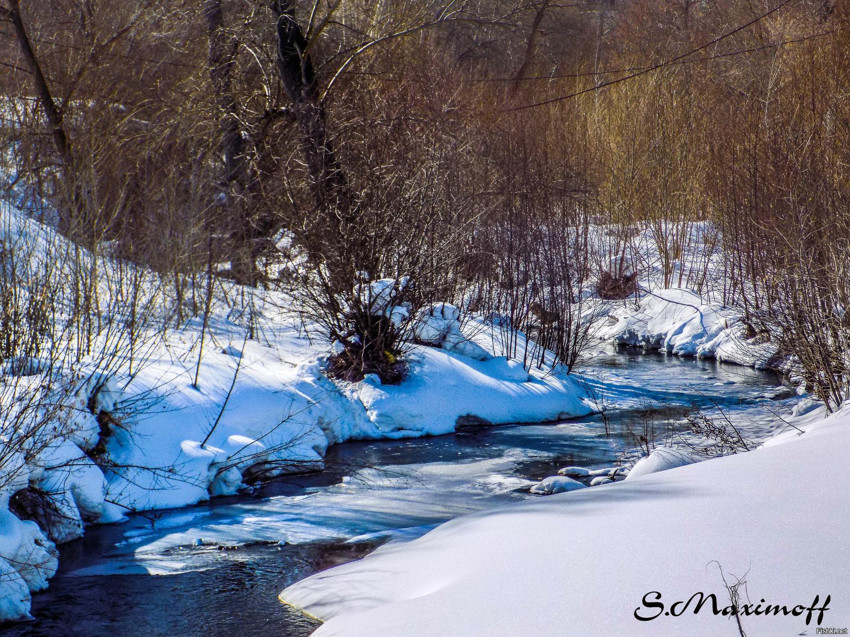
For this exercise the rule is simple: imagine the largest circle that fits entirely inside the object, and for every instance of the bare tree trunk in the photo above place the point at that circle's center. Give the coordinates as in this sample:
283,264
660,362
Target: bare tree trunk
531,43
233,188
328,184
51,112
45,97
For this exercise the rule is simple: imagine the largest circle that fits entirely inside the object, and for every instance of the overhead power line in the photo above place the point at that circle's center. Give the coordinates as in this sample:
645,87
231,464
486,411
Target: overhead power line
671,62
707,58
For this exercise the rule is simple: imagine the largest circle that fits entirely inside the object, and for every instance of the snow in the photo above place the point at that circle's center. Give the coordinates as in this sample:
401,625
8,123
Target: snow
283,413
77,485
445,388
393,494
379,295
27,558
585,560
574,472
202,410
439,325
678,321
556,484
660,459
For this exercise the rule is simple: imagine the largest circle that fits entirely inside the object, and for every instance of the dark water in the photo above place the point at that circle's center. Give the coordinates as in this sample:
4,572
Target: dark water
249,552
236,599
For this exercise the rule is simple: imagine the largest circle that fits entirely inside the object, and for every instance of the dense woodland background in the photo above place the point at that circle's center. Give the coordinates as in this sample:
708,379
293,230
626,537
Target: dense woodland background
475,146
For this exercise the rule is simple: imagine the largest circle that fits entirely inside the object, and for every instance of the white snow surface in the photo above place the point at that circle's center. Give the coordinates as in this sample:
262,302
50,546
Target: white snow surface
678,321
445,387
660,459
439,324
556,484
581,563
283,413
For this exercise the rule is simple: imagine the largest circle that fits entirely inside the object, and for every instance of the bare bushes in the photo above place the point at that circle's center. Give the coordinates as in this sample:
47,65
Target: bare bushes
786,212
537,237
542,285
363,282
806,315
563,276
388,175
68,322
743,150
392,156
715,436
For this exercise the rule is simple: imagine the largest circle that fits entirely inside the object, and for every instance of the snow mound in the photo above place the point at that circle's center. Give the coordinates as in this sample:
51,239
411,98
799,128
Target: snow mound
556,484
574,472
444,387
660,459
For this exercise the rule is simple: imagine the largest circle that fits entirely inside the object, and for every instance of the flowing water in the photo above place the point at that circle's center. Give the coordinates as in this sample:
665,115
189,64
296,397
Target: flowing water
216,569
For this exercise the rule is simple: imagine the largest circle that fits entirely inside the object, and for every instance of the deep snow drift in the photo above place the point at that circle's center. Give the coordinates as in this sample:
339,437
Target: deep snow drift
594,561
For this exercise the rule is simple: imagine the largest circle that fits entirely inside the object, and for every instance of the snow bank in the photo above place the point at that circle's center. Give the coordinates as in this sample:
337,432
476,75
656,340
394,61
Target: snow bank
445,389
281,413
45,427
76,486
558,564
251,413
27,558
677,321
257,410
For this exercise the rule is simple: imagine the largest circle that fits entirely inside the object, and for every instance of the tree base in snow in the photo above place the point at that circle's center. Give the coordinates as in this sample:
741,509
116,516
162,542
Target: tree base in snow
612,287
354,364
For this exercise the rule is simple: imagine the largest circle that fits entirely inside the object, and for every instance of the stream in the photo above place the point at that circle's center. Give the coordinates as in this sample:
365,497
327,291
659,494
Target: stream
216,569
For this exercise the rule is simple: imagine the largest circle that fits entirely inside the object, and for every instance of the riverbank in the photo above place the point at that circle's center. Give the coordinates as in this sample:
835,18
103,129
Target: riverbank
175,416
590,561
258,410
171,563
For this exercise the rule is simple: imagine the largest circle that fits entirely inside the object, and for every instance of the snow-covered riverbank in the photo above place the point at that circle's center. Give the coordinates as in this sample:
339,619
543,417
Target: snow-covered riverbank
680,322
154,416
601,561
198,411
279,417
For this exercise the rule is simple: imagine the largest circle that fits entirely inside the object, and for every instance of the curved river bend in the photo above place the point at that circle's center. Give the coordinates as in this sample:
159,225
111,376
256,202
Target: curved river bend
216,569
